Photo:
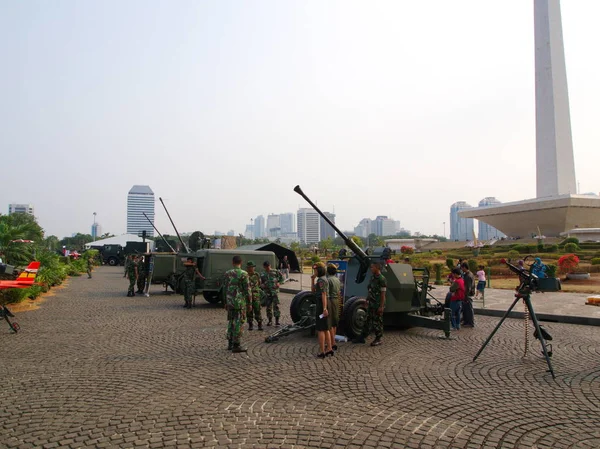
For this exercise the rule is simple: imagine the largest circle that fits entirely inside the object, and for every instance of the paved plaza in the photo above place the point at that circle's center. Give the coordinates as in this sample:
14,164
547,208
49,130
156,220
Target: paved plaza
93,368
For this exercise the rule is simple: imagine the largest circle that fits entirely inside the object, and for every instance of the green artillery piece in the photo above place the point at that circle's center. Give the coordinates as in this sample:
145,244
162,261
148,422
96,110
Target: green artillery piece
407,303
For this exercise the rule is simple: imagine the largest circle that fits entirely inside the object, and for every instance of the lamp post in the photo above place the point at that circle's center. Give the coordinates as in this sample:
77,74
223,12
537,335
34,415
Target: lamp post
94,232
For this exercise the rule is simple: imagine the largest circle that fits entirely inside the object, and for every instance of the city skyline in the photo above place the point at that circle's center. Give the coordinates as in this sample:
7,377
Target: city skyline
314,88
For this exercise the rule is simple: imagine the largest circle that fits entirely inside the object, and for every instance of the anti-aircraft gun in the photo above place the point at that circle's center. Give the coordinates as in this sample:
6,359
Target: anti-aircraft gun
407,300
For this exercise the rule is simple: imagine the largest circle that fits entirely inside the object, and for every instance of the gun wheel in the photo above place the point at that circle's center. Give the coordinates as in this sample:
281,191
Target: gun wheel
15,326
354,316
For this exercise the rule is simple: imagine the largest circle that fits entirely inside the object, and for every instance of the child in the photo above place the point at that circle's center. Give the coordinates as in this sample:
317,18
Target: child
480,282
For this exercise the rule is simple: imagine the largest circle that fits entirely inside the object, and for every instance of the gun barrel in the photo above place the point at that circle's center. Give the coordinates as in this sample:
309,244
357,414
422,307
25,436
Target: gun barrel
351,244
161,236
176,231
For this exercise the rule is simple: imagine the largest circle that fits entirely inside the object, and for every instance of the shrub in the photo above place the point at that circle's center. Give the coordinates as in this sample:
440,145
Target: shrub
570,240
596,261
315,259
512,254
407,249
552,249
13,295
571,247
437,267
551,270
472,265
568,263
450,263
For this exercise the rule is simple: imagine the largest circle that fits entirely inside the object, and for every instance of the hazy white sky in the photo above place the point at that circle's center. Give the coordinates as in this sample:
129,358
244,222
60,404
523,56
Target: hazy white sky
395,108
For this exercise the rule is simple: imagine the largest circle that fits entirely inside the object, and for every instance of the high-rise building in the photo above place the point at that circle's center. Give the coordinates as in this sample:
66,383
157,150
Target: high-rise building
364,227
308,225
249,234
259,227
384,226
487,232
96,230
461,229
273,225
325,228
20,209
140,200
286,223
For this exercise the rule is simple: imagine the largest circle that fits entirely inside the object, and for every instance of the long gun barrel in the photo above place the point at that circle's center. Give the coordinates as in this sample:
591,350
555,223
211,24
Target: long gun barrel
161,236
359,253
176,232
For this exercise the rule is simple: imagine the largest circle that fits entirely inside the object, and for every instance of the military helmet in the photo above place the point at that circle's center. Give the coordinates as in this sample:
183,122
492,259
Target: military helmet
250,263
266,263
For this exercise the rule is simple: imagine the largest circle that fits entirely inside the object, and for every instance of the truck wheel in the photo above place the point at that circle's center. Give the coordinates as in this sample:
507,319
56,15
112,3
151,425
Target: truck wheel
212,297
300,306
113,262
354,316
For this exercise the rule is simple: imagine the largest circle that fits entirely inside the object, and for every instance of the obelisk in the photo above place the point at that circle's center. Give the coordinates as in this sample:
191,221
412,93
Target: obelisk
554,143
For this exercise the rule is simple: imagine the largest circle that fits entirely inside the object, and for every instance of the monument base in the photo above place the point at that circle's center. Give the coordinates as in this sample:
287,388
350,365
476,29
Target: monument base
552,215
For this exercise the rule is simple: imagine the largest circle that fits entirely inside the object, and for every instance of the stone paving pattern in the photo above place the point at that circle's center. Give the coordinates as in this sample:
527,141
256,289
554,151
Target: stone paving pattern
93,368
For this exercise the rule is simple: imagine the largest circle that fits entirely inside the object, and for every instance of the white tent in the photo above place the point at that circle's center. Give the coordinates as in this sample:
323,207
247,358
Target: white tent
117,240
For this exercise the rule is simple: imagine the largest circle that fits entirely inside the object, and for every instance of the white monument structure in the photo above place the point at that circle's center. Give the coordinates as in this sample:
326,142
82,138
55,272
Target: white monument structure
557,207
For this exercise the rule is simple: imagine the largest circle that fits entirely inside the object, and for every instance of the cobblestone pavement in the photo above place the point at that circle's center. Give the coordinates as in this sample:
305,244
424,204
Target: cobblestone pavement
93,368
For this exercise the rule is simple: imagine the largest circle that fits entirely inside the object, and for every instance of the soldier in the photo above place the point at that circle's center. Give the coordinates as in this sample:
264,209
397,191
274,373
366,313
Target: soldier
141,282
237,297
269,282
333,298
320,287
253,309
376,305
90,264
127,263
132,273
189,281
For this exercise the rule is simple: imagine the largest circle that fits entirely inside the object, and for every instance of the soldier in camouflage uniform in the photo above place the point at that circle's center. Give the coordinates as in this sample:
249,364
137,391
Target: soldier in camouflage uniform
132,274
141,282
376,305
90,264
127,263
253,309
189,281
269,282
237,297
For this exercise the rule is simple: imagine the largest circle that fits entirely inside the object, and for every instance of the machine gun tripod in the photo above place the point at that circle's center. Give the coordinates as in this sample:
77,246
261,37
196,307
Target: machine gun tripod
528,284
7,314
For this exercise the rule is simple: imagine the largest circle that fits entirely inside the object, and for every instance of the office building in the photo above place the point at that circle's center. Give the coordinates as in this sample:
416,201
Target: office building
249,233
486,231
259,227
273,225
96,230
325,228
461,229
364,228
308,225
20,209
286,223
140,200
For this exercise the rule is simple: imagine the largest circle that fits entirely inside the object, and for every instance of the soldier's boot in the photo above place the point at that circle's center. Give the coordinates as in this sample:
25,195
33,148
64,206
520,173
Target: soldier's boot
230,346
237,348
250,326
270,322
276,321
377,341
360,339
260,328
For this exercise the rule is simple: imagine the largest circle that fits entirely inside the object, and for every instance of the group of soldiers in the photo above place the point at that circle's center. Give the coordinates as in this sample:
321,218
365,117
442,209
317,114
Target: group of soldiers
326,287
135,271
243,293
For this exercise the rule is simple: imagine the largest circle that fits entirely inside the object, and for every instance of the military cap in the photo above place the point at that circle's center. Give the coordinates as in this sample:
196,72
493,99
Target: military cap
250,263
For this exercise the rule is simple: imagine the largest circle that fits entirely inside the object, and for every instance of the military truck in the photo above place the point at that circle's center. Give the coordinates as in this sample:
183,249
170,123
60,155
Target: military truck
114,255
212,263
408,303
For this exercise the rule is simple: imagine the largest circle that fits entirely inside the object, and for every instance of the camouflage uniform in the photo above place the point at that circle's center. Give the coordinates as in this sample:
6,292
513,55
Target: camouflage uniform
131,275
237,297
189,285
90,263
127,263
141,282
270,281
333,297
374,321
253,308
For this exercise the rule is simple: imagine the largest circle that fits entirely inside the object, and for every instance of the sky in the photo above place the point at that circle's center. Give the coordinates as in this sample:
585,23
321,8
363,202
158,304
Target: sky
396,108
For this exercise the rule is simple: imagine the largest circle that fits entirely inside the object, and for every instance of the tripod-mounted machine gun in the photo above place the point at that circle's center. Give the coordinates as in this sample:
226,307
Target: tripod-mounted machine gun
528,283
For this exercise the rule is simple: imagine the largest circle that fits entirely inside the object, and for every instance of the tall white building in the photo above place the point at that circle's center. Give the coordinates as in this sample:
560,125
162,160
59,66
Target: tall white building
259,227
273,225
286,222
461,229
20,209
308,221
364,227
96,230
487,232
140,200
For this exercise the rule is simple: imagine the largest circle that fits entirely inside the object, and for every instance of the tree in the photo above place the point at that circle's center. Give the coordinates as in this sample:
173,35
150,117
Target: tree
326,245
76,242
16,227
51,243
568,263
356,239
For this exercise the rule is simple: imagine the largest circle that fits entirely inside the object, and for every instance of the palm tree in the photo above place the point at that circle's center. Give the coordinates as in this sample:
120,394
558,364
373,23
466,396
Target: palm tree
16,227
